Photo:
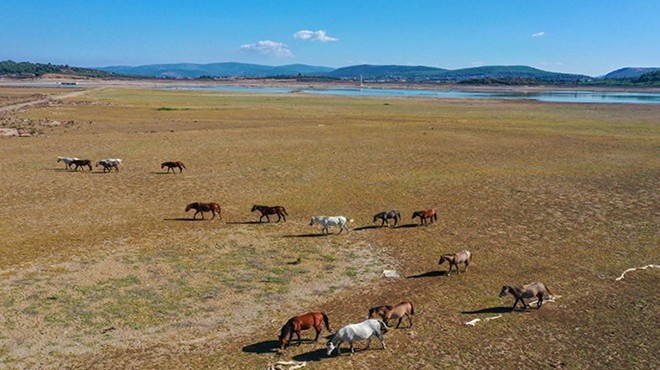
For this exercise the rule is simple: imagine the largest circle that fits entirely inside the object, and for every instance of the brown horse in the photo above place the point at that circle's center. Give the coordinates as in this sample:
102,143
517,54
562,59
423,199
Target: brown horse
532,290
427,214
172,166
397,311
303,322
266,210
81,163
204,207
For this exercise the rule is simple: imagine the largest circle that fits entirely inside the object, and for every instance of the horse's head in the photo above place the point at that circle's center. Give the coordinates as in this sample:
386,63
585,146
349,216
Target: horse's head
417,214
189,206
254,208
383,327
284,333
331,346
376,218
442,260
313,221
504,291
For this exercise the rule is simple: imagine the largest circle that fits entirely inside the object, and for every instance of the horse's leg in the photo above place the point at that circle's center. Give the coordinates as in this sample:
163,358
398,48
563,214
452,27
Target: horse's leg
540,298
284,217
352,348
213,213
339,347
267,218
398,323
515,303
299,340
368,343
261,218
318,332
458,271
278,218
467,263
410,319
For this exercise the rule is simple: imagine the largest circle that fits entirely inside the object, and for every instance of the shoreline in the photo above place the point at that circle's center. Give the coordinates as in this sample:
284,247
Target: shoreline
285,83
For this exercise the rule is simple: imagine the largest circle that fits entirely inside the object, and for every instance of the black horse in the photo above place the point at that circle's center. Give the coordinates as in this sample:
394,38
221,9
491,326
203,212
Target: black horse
388,215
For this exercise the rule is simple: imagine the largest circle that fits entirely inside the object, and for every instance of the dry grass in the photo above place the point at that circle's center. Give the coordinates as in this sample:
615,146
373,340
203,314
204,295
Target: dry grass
562,193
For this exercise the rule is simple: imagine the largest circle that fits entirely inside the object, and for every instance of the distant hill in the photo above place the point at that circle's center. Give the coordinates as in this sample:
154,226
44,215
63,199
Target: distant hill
431,74
191,70
26,69
386,72
628,72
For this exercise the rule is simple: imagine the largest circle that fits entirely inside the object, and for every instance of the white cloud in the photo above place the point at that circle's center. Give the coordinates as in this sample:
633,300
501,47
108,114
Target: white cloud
538,34
319,35
268,47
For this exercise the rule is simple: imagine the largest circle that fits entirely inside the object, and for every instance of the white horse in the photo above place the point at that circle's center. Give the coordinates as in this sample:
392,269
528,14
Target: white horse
326,222
67,161
353,332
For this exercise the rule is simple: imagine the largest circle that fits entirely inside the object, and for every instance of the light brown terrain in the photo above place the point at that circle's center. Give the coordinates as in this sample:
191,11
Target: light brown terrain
107,270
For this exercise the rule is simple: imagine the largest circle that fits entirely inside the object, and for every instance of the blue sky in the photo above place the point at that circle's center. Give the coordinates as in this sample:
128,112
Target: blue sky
579,36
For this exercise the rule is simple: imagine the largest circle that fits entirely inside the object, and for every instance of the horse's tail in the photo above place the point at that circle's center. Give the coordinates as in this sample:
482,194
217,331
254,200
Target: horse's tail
550,294
435,216
284,211
325,320
412,309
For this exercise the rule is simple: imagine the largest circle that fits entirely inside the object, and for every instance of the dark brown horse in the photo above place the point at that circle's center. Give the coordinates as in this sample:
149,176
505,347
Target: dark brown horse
398,311
172,166
297,324
204,207
266,210
81,163
388,215
427,214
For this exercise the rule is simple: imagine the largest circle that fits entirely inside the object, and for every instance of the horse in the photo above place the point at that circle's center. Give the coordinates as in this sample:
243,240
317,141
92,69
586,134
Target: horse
326,222
205,207
353,332
67,161
266,210
81,163
297,324
109,164
526,291
454,259
388,215
426,214
398,311
172,165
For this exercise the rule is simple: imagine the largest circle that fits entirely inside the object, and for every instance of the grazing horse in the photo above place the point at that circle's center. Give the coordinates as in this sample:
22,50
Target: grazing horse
109,164
204,207
454,259
388,215
81,163
426,215
297,324
326,222
353,332
172,166
398,311
266,210
526,291
67,161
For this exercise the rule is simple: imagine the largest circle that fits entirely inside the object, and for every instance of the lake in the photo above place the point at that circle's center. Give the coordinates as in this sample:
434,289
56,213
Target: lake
545,96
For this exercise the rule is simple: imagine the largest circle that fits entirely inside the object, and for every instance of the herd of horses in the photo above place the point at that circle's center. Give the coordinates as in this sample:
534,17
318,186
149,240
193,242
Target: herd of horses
377,322
110,164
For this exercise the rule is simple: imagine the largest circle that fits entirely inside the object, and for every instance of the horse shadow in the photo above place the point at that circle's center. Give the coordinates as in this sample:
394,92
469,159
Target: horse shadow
184,219
433,273
500,309
244,223
306,235
267,346
408,226
313,356
369,227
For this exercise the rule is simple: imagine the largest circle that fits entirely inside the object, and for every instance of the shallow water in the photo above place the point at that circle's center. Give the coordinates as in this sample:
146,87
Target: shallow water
546,96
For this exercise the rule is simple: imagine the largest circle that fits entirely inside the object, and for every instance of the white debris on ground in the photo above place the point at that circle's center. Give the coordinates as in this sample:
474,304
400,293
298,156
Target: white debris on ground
280,365
637,268
391,273
475,321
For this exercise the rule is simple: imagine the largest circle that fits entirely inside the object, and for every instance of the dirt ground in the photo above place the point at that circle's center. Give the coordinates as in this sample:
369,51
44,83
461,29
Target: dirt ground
106,270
